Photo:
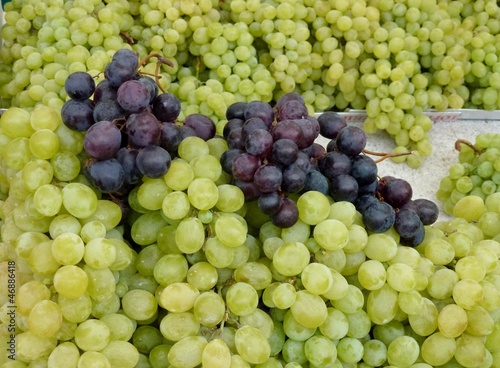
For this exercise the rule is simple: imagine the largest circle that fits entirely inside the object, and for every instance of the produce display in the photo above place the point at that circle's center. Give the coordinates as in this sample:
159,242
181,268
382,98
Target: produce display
164,203
394,59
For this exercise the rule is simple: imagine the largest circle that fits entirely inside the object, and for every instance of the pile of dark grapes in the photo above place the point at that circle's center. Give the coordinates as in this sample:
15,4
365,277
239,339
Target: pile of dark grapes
273,155
131,128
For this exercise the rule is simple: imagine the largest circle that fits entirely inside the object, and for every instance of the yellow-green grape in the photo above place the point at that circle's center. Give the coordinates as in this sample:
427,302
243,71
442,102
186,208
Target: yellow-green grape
401,277
230,230
139,304
79,200
317,278
403,351
467,293
372,274
216,354
76,309
254,273
151,194
30,347
93,358
320,350
209,308
298,232
284,295
92,335
70,281
314,207
176,326
291,258
37,173
203,193
121,353
178,297
66,353
425,322
120,326
309,309
176,205
144,230
45,319
350,350
251,345
68,248
48,200
382,304
231,198
100,253
331,234
260,320
170,268
179,175
241,298
190,235
380,247
471,351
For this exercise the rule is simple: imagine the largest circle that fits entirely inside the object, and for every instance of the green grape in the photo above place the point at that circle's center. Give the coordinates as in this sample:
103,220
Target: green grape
291,258
179,175
350,350
374,352
382,304
320,350
70,281
331,234
170,268
372,274
68,248
309,309
176,205
79,200
121,353
209,308
139,304
251,345
216,354
317,278
75,309
92,335
380,247
424,323
65,353
120,326
190,235
45,319
100,253
314,207
403,351
151,194
241,298
254,273
178,297
203,193
230,230
30,347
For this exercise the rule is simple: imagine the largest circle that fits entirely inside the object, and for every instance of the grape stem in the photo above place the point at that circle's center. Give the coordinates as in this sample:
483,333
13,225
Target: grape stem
159,63
383,155
127,38
459,142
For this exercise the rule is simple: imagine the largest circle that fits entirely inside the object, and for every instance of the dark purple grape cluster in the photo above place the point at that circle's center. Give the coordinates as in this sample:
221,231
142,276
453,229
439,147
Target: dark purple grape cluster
131,128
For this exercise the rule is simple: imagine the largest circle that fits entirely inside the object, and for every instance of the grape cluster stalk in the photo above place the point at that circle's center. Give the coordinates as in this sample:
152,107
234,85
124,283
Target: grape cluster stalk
394,59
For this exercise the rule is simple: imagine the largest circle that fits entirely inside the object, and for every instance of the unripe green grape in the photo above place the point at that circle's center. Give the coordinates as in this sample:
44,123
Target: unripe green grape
251,345
241,298
45,319
70,281
176,326
209,308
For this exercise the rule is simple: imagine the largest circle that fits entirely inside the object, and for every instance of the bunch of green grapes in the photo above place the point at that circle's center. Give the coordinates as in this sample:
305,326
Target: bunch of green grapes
477,172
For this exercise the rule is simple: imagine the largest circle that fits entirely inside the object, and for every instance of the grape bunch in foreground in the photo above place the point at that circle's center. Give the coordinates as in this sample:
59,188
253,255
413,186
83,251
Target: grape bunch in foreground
273,155
193,275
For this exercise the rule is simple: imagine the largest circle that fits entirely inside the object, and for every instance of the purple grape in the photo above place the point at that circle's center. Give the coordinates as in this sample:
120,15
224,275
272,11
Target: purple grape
119,71
414,240
133,96
79,86
104,91
244,167
364,169
127,57
166,107
397,192
351,140
143,130
151,85
127,158
378,217
186,131
315,124
331,123
202,125
268,178
269,203
289,129
78,115
109,110
103,140
249,189
406,223
236,111
228,157
331,146
427,211
294,179
107,176
252,124
364,201
370,188
335,163
410,205
315,151
235,139
153,161
293,109
284,151
303,162
170,136
308,132
261,110
230,125
287,214
317,181
259,143
291,96
344,188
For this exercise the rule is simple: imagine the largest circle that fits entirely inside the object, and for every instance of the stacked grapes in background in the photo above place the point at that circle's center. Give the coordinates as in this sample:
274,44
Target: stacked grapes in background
273,156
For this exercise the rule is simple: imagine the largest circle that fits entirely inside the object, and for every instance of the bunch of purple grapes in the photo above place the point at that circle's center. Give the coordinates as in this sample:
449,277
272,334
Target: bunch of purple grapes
130,127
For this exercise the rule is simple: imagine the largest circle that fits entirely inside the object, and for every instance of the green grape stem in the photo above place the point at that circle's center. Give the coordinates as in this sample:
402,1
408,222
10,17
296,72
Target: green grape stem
459,142
383,155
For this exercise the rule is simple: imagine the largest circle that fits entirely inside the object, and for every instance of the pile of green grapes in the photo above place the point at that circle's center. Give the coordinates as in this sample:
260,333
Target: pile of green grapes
210,281
394,59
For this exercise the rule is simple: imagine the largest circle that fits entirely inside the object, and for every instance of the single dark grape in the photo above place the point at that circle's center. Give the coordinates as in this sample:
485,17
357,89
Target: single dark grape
244,167
133,96
103,140
153,161
351,140
410,205
334,163
290,96
344,188
370,188
303,162
227,158
166,107
289,129
186,131
268,178
78,115
151,85
294,179
378,217
127,158
331,123
315,151
170,136
202,125
252,124
259,143
427,211
143,130
107,176
315,124
128,57
118,72
414,240
287,214
79,86
109,110
364,201
230,125
284,151
293,109
308,132
269,203
331,146
364,169
249,189
383,182
261,110
317,181
406,223
236,111
104,91
235,139
397,192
